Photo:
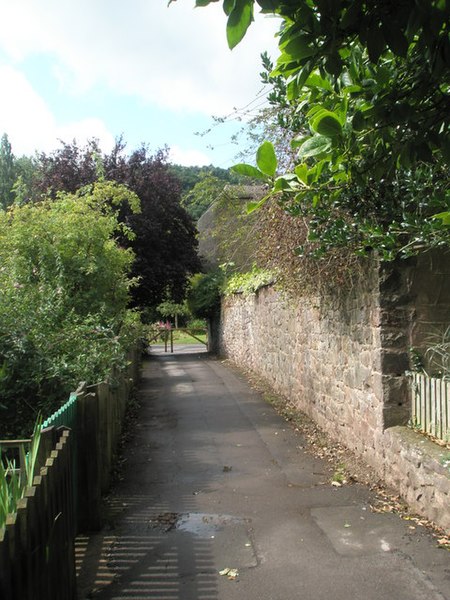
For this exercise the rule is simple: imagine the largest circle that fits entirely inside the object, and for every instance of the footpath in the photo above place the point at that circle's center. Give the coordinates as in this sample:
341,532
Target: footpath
218,500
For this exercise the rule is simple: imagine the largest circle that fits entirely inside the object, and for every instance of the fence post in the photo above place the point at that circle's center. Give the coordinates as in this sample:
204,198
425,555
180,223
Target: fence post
89,476
5,565
46,445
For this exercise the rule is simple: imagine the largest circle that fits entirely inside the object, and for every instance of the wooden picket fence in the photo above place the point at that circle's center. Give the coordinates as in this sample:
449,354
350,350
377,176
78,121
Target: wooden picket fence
37,542
37,559
430,408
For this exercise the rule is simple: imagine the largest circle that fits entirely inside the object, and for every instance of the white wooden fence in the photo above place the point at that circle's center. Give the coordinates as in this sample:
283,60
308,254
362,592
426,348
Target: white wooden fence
430,405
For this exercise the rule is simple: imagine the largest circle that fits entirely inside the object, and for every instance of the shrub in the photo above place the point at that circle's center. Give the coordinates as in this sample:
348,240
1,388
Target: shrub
203,298
64,290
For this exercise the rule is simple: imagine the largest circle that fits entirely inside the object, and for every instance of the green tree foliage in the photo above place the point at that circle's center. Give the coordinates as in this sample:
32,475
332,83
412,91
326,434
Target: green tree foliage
7,172
188,177
173,310
200,186
26,170
207,189
203,297
164,240
64,291
368,86
227,234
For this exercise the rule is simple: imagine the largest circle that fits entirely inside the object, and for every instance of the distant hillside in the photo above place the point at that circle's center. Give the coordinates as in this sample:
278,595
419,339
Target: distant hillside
226,232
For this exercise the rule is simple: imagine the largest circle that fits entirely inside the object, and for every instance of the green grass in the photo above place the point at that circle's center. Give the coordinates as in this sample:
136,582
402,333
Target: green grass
13,480
180,337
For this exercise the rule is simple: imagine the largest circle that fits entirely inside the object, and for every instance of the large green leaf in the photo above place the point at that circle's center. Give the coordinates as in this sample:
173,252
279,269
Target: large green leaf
326,123
286,182
299,47
444,217
248,171
267,5
358,121
314,146
266,159
239,21
315,80
203,2
301,171
252,206
228,6
375,44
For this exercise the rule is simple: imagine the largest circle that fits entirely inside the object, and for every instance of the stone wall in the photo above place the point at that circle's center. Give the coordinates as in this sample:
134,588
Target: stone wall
341,359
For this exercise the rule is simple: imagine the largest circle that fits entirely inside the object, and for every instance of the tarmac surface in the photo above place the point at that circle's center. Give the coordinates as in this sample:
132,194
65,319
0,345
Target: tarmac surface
213,479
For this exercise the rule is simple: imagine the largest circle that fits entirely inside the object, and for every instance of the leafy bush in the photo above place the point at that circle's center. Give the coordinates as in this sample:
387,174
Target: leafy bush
197,325
203,297
248,283
64,291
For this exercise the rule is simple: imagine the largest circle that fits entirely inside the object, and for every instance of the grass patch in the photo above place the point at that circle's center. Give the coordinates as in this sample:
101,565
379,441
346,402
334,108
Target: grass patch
181,337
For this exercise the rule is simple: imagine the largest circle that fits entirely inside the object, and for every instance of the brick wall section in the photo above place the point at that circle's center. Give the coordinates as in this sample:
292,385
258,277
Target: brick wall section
341,360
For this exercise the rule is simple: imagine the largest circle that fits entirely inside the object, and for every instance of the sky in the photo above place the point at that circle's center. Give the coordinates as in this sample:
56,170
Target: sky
81,69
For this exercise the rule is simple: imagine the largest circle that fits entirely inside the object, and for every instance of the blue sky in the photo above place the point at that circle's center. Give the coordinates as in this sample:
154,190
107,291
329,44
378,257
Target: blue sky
102,68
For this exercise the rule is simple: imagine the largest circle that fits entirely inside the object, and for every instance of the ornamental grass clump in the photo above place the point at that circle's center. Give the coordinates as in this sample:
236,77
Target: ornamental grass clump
15,479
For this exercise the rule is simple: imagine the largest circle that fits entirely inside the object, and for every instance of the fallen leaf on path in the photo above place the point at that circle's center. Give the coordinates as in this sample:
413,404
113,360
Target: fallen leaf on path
230,573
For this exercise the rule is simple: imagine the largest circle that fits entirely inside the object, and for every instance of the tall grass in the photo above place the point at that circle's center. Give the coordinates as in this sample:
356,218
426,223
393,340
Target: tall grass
14,479
438,354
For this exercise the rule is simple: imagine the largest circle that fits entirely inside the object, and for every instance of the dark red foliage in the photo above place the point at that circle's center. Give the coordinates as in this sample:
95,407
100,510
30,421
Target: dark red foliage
165,243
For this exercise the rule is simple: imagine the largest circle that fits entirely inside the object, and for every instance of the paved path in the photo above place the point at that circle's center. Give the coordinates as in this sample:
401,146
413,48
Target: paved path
214,478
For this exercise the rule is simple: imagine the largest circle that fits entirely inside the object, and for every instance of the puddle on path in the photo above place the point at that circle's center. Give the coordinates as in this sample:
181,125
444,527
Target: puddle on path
205,525
229,536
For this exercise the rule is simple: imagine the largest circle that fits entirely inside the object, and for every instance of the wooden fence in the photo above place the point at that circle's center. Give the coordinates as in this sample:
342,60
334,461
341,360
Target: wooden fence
430,410
95,415
37,542
101,409
37,559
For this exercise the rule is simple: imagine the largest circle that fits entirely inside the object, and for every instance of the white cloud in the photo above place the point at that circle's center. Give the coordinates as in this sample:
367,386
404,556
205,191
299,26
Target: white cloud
174,57
30,124
188,158
86,129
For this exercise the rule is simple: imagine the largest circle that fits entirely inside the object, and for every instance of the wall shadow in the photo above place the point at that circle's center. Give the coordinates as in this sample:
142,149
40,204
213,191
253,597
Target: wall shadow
144,550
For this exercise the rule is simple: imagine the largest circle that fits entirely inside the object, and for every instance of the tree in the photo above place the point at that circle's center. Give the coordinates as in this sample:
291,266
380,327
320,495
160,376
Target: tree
202,195
65,288
164,240
390,59
169,309
188,177
68,168
203,297
23,187
165,236
7,172
369,89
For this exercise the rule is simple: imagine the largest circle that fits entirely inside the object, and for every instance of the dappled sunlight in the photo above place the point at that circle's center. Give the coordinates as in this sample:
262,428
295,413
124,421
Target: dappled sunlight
147,555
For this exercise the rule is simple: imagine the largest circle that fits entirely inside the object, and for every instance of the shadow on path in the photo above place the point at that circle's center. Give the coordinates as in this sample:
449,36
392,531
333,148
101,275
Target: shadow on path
213,478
